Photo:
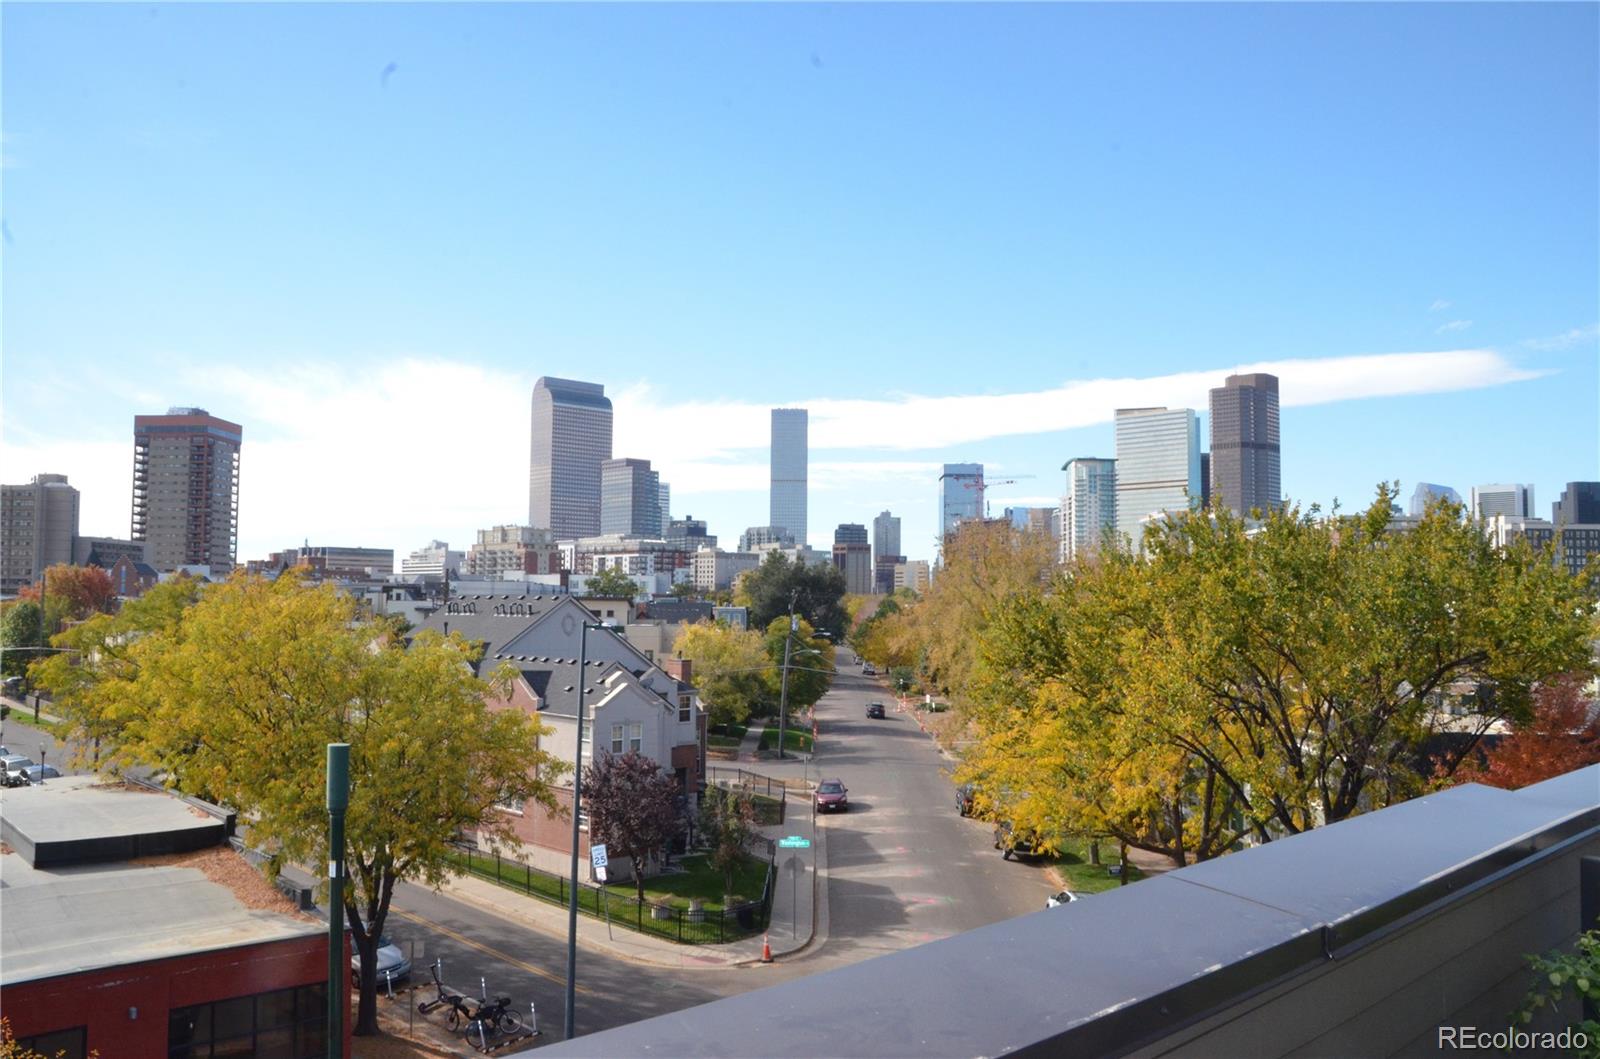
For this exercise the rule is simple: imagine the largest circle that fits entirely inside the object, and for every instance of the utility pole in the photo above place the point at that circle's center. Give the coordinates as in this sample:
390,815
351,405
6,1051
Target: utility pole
572,894
783,691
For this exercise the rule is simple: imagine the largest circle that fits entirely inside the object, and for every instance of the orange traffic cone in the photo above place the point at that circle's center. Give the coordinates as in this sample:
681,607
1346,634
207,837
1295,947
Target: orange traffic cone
766,950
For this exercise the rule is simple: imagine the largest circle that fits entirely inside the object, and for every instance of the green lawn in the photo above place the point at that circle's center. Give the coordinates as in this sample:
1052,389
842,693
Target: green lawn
725,736
1085,878
796,739
701,881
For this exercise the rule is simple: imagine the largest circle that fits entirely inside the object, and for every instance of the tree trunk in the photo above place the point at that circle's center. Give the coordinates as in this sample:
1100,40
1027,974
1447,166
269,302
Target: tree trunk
1122,875
1094,852
367,1006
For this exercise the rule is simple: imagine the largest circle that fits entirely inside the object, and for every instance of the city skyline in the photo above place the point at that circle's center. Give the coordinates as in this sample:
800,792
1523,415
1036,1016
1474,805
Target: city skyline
1111,206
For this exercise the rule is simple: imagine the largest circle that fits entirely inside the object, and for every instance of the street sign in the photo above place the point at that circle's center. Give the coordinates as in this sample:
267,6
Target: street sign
600,872
794,842
597,856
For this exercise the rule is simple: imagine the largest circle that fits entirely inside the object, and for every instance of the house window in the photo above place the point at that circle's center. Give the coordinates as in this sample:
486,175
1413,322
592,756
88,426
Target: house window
616,739
636,737
685,708
510,805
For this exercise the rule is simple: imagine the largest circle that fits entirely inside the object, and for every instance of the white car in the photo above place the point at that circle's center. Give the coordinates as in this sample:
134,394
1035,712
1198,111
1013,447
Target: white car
1065,897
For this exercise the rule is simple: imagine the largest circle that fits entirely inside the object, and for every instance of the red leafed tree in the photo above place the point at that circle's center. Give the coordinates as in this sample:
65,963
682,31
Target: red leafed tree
73,593
1563,734
633,808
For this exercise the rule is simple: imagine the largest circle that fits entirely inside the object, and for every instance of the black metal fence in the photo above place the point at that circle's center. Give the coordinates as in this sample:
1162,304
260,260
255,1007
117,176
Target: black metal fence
687,925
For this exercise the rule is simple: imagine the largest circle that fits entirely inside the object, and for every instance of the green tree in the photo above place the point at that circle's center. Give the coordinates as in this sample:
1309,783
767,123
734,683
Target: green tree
730,669
727,824
810,663
21,632
633,808
1270,678
815,592
612,582
237,699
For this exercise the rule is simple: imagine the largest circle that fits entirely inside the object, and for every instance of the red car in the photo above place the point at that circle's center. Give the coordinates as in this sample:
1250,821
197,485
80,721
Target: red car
831,797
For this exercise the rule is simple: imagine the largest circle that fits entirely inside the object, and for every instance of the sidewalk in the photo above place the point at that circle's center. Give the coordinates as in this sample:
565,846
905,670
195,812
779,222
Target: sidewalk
795,912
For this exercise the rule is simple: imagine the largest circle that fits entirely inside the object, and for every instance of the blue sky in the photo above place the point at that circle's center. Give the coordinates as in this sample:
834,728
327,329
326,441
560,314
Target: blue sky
363,231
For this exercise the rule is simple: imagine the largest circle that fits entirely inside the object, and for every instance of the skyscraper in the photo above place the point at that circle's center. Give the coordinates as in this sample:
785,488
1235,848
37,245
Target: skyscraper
960,495
790,459
186,489
1427,492
885,535
1089,506
1579,505
1513,499
571,438
852,555
38,528
1158,465
1245,471
666,505
630,498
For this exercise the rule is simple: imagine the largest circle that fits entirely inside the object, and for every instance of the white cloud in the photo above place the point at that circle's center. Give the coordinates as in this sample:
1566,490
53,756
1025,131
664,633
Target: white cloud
1565,340
1439,305
1453,325
392,453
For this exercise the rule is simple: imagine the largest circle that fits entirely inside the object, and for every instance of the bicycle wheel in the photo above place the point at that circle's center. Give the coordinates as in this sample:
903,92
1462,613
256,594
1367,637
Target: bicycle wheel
454,1019
508,1023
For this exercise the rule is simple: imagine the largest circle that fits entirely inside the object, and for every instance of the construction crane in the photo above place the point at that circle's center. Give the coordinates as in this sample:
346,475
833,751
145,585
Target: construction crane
982,486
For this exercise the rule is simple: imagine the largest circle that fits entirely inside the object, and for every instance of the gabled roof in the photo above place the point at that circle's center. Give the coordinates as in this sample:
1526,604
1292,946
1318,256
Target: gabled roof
555,681
491,620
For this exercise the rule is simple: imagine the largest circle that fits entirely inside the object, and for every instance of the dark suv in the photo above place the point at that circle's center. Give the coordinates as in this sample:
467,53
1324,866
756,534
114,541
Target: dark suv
875,710
1013,843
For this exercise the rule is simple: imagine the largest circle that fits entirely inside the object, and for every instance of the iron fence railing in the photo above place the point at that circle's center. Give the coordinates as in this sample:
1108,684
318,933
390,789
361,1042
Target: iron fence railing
686,925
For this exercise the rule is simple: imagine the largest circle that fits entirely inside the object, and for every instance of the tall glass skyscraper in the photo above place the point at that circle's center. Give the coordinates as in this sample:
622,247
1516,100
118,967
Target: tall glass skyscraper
960,495
790,460
630,498
1158,465
1245,459
1089,506
571,438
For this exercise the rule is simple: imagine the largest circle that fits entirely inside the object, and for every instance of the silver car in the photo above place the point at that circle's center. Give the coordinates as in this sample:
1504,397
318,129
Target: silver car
392,961
14,763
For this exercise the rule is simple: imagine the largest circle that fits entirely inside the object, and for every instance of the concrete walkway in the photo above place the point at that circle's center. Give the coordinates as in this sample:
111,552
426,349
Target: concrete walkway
799,905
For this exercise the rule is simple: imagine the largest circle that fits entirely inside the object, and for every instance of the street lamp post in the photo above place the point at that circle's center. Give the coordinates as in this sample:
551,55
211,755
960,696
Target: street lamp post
783,692
577,791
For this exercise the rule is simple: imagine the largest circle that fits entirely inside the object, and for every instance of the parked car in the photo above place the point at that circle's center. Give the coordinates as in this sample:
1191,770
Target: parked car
875,710
1065,897
1013,843
15,763
13,779
391,960
869,670
832,797
40,773
964,797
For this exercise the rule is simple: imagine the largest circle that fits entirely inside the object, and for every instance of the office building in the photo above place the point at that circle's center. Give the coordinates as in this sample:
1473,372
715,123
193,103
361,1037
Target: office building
1244,464
666,505
346,564
38,525
436,562
912,574
1045,520
1514,499
571,439
502,550
1427,493
1579,505
790,460
105,551
1088,507
1570,544
1158,466
852,556
688,535
885,536
186,489
960,495
714,569
630,498
759,536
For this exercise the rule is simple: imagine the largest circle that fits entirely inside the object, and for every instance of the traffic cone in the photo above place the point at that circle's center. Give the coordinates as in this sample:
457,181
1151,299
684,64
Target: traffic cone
766,950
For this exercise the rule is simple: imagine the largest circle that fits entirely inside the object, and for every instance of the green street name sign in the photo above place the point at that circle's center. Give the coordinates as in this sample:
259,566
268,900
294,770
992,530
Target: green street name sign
794,842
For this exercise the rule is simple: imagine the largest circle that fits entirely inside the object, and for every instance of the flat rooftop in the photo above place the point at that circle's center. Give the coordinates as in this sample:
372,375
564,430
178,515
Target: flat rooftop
64,919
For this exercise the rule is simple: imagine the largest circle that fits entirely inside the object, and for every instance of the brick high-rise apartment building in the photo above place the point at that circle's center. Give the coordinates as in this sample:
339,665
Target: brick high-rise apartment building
186,489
